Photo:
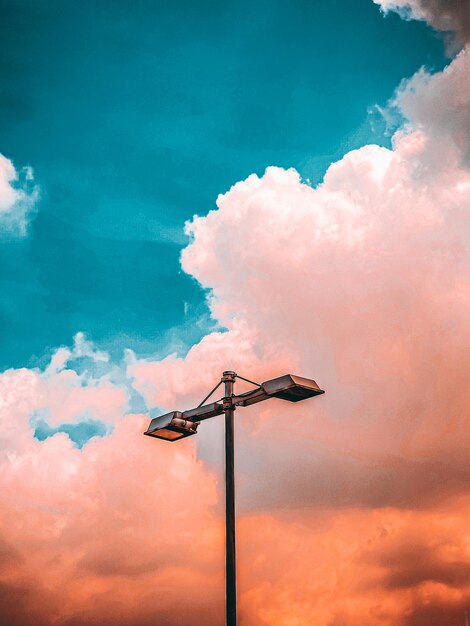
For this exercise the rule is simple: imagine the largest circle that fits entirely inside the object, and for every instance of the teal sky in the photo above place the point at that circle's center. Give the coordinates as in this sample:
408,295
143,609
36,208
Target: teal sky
136,115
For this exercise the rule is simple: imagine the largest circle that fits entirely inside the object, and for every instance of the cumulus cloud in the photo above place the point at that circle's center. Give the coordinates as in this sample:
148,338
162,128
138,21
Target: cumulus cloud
106,533
361,494
448,16
18,197
362,283
437,105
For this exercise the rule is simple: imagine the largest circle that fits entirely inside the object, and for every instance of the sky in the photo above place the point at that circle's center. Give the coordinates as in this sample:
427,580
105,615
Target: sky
134,118
197,187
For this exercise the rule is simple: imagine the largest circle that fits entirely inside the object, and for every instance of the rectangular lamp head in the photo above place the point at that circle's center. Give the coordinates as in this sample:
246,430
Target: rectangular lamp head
288,387
291,388
171,426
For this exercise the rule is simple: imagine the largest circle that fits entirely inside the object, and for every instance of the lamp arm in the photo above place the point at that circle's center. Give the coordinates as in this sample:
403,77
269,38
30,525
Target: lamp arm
247,380
210,393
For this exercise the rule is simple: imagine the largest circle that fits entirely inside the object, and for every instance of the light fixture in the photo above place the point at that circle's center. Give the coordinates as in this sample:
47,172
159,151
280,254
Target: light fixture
289,387
171,427
177,425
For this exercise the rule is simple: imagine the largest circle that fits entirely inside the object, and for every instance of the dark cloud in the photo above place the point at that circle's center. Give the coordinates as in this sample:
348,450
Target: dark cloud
180,614
21,606
413,564
24,604
439,614
9,557
450,15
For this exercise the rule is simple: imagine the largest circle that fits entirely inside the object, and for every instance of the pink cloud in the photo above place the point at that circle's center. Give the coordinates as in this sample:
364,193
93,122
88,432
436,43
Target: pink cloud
353,506
448,16
102,533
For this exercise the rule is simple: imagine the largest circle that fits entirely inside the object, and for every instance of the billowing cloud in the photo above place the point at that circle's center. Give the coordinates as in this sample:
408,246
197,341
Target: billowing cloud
353,506
362,283
18,196
355,567
437,106
448,16
106,533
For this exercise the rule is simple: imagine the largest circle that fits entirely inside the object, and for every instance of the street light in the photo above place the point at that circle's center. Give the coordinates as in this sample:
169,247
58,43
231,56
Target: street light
179,424
171,426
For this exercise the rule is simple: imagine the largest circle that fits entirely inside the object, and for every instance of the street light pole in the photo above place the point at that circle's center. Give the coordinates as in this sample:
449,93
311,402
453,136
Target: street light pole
177,425
230,564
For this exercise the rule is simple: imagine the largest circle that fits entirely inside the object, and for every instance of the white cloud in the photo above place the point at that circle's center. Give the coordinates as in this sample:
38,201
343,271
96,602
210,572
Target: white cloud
18,198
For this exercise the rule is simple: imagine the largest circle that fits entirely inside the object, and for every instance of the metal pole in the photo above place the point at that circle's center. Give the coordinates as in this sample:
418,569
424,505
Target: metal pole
230,569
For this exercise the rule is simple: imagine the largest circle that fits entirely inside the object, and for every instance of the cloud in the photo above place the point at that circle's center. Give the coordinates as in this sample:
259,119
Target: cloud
437,105
447,16
362,283
105,533
353,567
18,197
353,507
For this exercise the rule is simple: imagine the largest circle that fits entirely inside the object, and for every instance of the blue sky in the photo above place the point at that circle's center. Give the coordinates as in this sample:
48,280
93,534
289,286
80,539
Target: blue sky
134,116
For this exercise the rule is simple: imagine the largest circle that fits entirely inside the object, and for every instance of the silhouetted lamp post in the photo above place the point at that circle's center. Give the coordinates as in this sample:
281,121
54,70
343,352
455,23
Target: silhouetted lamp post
179,424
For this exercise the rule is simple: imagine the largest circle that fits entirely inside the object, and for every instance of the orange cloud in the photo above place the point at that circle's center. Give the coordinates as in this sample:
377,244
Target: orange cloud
353,506
353,567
